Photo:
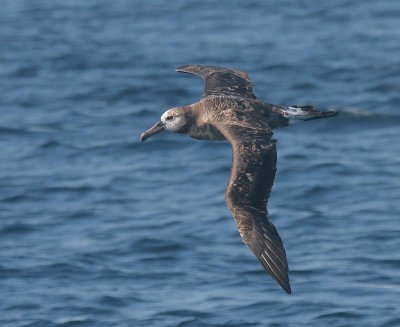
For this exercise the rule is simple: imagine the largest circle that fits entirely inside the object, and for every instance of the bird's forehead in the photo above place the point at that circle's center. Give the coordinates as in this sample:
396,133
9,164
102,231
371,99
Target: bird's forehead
171,112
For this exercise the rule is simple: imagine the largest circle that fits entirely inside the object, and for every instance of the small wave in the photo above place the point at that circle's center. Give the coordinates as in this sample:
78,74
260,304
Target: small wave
305,86
157,246
316,190
158,258
38,323
189,323
79,321
296,156
11,130
395,322
273,67
326,165
109,145
128,92
391,263
185,313
339,314
374,261
142,113
15,198
356,112
50,144
17,229
305,272
80,214
364,114
6,272
23,306
111,300
68,188
384,88
24,72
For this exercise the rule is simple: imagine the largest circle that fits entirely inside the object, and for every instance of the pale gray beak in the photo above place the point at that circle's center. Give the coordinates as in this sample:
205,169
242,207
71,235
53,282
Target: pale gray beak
157,128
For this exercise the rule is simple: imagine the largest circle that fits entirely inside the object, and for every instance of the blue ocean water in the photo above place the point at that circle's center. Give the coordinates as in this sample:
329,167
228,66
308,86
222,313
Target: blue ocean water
97,229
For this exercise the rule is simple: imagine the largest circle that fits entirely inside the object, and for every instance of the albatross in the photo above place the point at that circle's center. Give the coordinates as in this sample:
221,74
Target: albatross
229,110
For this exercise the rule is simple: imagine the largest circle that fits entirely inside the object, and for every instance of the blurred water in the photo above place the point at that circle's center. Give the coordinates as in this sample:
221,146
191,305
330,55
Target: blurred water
97,229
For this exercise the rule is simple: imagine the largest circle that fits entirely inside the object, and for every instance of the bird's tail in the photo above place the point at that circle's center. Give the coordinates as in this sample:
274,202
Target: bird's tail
305,113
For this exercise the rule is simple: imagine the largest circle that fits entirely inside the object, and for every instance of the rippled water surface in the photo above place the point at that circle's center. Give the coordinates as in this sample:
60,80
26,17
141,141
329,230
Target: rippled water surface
98,229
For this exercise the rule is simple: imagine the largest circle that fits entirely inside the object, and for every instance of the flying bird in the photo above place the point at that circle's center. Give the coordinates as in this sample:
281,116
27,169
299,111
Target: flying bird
229,110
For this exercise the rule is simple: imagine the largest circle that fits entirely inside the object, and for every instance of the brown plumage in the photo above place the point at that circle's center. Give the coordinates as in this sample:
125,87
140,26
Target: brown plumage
229,110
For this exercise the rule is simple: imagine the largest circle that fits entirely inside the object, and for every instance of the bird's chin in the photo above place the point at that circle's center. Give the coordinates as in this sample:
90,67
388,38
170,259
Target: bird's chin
157,128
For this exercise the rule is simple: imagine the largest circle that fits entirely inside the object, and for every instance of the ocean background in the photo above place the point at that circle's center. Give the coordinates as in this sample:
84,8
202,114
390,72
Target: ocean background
98,229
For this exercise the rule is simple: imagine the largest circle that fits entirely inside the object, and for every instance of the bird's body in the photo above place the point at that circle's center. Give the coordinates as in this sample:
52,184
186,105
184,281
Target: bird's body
230,111
208,112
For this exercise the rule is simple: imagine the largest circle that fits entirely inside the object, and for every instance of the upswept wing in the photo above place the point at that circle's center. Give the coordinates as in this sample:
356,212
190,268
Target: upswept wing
222,81
250,182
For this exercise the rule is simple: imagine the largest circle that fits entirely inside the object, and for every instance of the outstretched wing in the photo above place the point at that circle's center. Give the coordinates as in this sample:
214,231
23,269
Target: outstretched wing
250,182
222,81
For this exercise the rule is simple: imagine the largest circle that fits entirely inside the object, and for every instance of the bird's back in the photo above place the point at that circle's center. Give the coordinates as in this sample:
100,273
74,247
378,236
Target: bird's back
237,111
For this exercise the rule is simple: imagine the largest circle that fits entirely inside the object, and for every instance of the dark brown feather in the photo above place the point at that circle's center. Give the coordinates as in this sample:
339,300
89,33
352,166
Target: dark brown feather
250,183
222,81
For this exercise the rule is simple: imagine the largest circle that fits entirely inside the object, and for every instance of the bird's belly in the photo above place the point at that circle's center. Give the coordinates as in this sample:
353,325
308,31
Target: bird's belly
206,132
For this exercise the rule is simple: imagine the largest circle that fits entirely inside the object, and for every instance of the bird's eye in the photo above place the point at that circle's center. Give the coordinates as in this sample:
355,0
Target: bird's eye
169,118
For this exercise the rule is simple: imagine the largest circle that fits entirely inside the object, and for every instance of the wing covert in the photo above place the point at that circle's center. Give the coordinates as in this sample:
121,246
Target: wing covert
250,183
222,81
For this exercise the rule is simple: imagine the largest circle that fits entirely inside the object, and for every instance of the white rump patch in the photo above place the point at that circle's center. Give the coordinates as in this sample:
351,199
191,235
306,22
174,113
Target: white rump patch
292,111
296,113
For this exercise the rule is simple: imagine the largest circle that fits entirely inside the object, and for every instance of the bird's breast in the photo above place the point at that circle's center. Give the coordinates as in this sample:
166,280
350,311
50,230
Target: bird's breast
206,132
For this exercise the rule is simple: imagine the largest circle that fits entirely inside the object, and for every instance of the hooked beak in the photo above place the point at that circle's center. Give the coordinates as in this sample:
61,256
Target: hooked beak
157,128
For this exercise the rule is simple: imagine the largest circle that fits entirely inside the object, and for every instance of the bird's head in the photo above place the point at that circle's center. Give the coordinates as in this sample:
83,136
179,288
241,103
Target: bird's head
174,120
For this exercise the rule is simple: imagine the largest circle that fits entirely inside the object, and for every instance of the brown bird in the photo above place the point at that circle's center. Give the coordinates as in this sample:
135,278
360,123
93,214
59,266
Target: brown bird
229,110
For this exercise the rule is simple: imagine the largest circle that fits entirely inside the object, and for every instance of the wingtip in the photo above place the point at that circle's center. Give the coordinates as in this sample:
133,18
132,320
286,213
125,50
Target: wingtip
284,283
182,69
281,279
287,288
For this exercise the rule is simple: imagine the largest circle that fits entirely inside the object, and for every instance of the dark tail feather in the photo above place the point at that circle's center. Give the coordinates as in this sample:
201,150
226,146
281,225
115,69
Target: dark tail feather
306,113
